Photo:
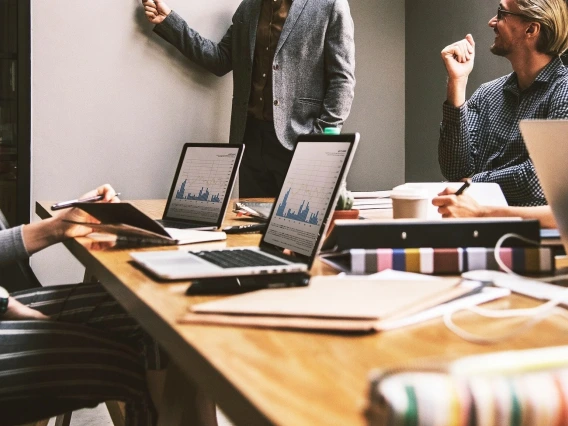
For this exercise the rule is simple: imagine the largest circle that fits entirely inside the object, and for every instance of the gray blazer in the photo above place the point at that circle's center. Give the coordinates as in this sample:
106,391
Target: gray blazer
313,70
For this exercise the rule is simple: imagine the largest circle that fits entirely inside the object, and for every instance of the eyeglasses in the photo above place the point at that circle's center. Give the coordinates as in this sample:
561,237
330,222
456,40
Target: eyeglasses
501,12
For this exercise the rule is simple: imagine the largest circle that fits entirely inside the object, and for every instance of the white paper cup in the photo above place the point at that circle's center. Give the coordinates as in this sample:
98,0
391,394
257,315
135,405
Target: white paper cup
409,203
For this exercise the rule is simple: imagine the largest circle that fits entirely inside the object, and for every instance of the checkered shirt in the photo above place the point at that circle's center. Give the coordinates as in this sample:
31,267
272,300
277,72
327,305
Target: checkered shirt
482,140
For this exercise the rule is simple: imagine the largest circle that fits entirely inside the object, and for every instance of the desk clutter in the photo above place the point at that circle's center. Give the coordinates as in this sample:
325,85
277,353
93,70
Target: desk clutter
435,247
257,210
346,304
427,260
328,304
525,387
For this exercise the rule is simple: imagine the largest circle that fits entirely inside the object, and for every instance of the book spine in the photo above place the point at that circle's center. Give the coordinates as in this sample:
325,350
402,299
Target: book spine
451,260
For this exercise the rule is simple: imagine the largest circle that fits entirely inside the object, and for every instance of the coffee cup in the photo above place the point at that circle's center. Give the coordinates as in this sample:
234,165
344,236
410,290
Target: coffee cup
409,203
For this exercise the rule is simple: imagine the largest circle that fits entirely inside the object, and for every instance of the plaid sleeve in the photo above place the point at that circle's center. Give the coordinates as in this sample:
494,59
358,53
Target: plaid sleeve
457,144
559,105
519,183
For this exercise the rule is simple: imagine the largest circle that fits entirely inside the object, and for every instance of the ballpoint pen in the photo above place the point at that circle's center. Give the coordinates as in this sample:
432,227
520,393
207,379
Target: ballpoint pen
466,185
70,203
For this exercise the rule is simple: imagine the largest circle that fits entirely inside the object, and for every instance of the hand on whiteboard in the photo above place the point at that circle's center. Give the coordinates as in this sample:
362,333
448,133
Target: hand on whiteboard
451,205
156,11
458,57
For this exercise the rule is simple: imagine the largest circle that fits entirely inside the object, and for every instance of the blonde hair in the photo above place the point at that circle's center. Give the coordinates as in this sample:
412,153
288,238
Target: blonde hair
553,18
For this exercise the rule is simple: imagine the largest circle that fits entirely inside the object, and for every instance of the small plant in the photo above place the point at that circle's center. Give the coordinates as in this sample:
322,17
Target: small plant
345,200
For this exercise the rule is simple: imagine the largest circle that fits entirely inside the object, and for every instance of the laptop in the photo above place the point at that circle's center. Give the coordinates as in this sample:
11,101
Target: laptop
202,185
547,143
297,223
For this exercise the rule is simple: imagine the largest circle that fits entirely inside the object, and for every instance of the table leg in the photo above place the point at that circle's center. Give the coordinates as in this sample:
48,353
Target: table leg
183,403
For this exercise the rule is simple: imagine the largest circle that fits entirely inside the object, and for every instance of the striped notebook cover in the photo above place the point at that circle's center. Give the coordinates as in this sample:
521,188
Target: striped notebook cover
442,261
525,387
422,399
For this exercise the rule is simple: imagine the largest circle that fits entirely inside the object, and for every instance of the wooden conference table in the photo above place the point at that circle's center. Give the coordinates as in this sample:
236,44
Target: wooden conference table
260,377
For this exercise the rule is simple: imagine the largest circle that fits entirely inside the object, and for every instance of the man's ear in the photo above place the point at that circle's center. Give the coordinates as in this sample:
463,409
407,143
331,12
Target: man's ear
533,30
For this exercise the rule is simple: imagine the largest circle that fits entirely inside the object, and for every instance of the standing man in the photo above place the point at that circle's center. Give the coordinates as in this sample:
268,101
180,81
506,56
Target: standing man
480,137
293,64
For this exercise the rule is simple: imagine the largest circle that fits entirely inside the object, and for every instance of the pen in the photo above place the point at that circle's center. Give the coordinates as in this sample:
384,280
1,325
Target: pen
244,228
466,185
70,203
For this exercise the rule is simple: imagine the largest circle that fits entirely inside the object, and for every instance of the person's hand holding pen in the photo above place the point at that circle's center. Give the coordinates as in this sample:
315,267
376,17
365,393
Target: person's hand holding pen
103,194
455,203
39,235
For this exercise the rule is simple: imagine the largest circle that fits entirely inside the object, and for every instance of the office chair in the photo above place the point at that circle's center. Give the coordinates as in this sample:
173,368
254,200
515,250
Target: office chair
20,276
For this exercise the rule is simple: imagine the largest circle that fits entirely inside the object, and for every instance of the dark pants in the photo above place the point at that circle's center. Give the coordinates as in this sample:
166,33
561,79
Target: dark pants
265,161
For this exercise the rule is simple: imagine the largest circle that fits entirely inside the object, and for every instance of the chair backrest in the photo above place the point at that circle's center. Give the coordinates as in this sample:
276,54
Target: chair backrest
19,275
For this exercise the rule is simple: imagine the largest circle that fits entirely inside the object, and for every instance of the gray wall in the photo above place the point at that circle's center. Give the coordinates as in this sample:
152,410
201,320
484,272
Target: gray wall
113,103
378,109
430,26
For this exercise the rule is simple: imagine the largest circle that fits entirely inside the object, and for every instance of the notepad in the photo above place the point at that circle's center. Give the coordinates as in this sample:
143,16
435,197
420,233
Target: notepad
132,225
354,304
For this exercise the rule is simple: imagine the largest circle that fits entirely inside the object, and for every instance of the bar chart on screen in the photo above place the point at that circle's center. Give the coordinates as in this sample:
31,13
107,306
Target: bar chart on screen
202,185
306,195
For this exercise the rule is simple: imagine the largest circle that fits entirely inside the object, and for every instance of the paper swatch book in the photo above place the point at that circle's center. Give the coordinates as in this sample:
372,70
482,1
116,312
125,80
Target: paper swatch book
424,260
130,224
356,304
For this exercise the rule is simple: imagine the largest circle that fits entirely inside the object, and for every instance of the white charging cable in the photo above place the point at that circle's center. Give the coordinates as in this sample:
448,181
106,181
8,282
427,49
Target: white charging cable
533,315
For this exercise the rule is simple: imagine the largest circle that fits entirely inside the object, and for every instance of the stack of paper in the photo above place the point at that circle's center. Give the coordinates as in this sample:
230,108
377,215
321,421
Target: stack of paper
372,200
253,209
341,304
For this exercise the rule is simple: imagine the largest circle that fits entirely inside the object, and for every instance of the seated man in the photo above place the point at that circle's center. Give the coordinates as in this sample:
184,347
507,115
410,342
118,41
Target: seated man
72,346
480,137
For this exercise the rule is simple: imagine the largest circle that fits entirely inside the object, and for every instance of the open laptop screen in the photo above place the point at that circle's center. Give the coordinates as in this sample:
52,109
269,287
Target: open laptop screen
547,144
309,193
203,183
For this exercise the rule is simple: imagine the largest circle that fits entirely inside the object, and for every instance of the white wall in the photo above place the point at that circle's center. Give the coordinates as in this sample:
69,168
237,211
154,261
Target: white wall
112,102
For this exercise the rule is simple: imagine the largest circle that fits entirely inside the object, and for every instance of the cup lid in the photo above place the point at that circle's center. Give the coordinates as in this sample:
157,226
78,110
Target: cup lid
409,194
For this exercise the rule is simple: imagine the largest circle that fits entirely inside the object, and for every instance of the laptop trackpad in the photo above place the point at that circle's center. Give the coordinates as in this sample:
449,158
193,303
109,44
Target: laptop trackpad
169,262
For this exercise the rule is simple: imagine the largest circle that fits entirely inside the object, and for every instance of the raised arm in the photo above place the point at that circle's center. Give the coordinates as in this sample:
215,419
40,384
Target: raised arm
458,58
214,57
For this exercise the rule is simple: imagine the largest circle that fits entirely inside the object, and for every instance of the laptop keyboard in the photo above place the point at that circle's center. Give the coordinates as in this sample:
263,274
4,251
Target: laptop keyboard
237,258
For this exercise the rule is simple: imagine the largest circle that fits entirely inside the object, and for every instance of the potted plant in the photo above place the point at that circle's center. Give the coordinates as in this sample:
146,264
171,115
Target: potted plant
344,208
